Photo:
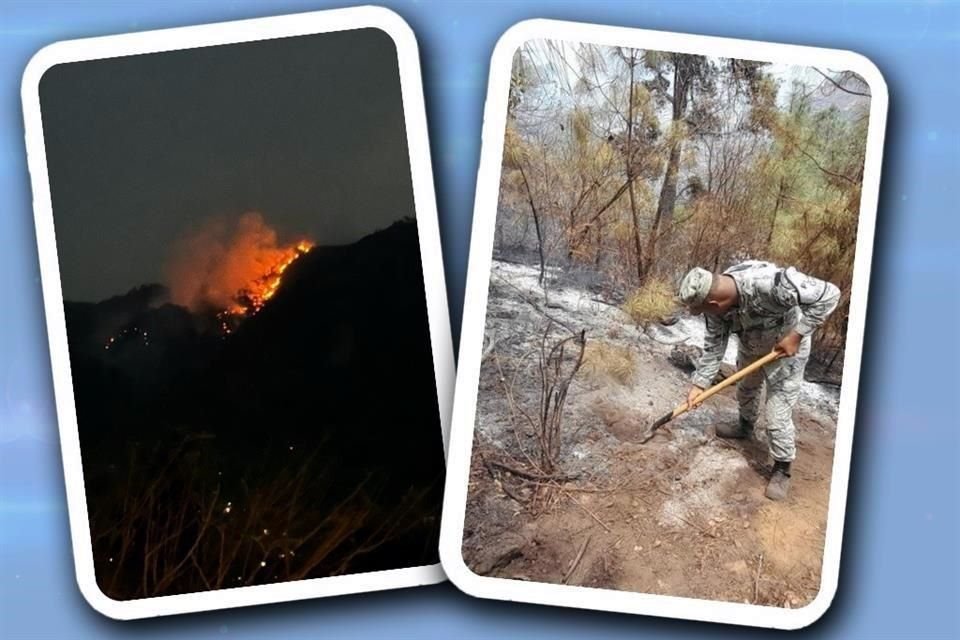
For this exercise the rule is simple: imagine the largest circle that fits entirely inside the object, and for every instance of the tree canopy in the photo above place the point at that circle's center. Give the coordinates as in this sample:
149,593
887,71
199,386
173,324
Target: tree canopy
641,164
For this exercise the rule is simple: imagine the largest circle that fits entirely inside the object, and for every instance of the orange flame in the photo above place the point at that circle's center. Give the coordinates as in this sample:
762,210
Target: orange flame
251,298
236,268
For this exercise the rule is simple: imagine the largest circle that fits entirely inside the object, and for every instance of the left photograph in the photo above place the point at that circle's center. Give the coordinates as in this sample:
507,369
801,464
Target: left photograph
241,259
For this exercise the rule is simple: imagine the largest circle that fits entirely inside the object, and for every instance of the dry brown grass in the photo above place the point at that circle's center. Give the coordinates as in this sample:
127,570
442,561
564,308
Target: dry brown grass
607,360
651,302
179,530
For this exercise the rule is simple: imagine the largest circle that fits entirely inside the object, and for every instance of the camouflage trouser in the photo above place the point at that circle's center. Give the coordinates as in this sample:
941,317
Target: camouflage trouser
782,379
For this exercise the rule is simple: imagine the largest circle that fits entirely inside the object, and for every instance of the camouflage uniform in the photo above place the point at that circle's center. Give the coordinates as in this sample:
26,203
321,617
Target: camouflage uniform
771,302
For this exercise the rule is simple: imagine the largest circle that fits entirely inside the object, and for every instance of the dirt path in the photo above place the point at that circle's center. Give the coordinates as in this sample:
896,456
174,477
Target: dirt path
682,515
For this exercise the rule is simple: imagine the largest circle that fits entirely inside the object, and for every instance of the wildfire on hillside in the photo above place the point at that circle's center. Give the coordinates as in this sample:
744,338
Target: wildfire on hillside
234,268
249,300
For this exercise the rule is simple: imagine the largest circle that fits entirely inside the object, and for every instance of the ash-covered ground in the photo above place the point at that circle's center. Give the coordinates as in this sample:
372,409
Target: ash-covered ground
683,514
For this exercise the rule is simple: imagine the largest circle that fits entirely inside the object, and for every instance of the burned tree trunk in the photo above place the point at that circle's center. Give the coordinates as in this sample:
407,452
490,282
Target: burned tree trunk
559,364
536,222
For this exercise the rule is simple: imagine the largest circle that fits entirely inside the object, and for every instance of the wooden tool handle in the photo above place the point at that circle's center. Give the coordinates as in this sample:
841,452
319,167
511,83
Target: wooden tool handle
736,377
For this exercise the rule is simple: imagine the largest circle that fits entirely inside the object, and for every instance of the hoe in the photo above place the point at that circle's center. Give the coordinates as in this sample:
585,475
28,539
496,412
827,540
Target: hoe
720,386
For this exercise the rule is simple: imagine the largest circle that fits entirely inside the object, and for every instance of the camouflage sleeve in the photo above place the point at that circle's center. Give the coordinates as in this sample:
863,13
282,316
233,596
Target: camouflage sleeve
816,298
714,345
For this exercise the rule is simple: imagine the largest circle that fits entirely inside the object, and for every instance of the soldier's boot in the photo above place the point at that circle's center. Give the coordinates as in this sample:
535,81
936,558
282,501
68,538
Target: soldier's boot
743,428
779,483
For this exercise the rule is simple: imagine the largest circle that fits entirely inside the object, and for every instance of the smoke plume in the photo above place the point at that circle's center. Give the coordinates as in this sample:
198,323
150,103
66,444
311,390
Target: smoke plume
229,265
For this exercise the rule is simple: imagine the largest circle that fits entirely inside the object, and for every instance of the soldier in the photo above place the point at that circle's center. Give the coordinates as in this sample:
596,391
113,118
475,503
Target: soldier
769,309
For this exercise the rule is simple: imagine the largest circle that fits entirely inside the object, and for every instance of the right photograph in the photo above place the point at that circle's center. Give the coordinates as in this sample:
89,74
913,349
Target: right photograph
666,323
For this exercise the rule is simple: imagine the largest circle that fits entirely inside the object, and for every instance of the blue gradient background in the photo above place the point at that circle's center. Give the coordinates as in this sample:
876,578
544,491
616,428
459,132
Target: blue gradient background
899,573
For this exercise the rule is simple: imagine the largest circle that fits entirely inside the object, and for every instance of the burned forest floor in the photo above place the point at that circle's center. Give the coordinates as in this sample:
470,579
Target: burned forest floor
683,514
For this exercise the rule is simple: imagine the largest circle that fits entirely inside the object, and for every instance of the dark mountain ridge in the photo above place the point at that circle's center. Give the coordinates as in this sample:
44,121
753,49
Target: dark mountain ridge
335,371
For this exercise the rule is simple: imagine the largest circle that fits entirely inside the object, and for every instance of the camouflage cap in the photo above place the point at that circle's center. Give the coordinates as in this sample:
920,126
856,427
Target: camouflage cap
695,286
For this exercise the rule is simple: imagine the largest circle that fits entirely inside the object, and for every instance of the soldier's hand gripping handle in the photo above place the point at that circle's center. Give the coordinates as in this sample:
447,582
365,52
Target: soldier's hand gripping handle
692,395
789,345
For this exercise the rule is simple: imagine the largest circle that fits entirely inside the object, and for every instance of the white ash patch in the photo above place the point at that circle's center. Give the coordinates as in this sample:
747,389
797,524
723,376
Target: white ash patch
492,433
579,453
572,306
686,330
820,399
700,491
690,330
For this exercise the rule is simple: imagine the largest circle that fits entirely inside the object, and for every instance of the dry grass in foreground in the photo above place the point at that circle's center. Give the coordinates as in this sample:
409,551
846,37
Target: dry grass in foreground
605,359
178,527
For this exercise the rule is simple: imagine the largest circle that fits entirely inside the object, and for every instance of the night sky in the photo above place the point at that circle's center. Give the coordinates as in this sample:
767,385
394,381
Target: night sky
307,130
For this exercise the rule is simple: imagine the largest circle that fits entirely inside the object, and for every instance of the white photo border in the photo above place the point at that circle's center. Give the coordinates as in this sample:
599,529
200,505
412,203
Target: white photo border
224,33
474,317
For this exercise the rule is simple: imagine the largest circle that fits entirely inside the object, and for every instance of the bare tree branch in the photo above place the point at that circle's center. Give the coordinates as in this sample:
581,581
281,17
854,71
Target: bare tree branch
840,86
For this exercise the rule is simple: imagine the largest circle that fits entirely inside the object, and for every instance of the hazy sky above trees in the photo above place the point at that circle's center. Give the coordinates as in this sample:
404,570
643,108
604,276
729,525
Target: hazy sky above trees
142,150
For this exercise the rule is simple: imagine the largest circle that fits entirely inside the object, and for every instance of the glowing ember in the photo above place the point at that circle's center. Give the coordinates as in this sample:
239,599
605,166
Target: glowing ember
249,300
